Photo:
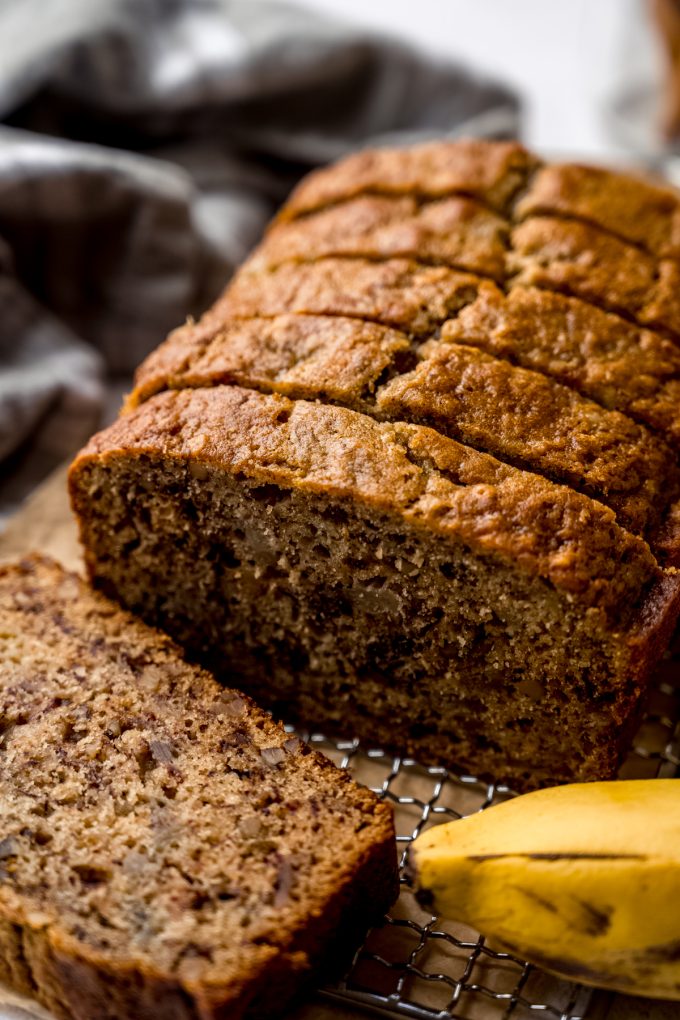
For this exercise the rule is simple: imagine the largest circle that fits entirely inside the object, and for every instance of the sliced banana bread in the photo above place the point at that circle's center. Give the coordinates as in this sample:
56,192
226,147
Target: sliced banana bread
166,849
379,576
415,475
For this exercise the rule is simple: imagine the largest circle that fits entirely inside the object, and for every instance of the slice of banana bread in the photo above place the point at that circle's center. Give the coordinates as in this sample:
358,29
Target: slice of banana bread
576,258
457,232
619,365
398,292
166,849
288,489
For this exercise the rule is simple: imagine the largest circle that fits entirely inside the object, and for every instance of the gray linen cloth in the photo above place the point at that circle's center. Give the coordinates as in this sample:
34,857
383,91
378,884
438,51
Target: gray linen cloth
143,145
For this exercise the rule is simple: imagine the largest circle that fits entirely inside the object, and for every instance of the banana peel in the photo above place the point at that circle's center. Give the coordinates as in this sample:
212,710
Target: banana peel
583,880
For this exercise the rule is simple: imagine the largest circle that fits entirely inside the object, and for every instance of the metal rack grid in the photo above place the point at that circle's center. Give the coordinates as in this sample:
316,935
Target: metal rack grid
425,968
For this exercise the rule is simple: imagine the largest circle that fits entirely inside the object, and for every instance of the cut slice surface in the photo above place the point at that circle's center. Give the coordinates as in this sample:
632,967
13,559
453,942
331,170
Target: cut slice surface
163,840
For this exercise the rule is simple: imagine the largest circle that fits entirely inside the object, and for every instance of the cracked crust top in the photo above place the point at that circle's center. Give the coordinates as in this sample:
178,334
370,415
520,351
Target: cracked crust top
492,172
635,209
342,303
456,231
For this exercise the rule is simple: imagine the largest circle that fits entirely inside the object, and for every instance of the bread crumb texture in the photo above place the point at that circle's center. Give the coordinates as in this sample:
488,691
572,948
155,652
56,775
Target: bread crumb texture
166,848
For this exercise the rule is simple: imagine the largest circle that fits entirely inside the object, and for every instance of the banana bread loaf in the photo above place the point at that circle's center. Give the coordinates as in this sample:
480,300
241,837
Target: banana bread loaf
416,472
166,849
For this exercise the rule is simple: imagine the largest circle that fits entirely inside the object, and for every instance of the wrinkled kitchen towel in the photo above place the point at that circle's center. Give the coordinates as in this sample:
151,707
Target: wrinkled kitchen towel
143,145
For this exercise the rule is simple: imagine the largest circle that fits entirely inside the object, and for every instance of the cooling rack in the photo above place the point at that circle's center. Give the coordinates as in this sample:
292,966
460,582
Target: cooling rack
425,968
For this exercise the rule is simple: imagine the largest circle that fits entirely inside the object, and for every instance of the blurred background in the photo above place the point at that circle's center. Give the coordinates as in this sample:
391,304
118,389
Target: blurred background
145,143
567,61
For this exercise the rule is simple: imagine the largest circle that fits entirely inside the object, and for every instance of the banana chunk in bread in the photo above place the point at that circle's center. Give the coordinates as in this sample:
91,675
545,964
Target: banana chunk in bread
166,848
416,472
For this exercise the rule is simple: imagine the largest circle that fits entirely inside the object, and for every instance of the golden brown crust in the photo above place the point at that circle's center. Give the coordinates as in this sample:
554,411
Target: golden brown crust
57,942
460,494
397,293
619,365
491,172
575,258
457,232
518,415
309,356
631,208
528,419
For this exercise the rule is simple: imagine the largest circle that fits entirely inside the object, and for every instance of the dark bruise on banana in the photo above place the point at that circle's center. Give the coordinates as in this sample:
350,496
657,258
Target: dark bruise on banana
583,880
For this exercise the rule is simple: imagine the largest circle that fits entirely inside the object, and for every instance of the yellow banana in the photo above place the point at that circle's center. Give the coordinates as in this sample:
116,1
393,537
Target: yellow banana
583,880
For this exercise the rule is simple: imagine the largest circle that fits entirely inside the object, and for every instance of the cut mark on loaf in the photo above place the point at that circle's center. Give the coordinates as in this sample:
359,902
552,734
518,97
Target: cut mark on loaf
618,366
397,293
573,258
555,254
328,357
575,207
558,254
528,420
622,367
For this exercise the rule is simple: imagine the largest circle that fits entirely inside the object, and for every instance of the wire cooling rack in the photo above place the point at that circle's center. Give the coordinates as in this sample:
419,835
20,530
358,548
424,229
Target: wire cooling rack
423,967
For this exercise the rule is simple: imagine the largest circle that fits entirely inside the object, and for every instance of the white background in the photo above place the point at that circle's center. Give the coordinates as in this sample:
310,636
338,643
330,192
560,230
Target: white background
568,58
